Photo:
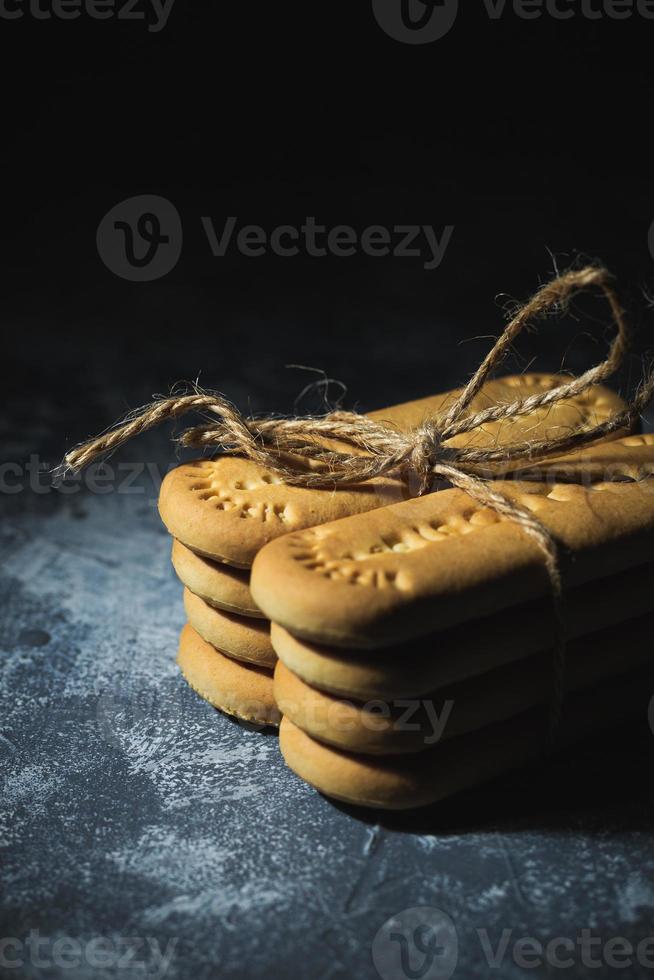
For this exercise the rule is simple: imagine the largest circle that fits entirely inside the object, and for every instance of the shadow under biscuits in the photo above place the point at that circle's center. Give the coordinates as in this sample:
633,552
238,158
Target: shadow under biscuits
600,785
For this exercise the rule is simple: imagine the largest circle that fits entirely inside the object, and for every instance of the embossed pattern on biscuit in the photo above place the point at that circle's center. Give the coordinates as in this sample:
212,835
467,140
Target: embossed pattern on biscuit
432,562
346,566
227,508
236,496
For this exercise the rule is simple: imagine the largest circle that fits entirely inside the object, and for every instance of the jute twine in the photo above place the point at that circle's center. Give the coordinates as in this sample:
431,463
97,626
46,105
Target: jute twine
288,446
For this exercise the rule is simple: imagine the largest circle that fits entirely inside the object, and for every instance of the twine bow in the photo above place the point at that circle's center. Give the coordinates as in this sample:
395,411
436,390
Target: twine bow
291,446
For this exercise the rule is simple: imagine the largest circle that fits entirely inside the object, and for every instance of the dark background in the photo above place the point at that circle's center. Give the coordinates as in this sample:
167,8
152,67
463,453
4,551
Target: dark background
131,807
529,137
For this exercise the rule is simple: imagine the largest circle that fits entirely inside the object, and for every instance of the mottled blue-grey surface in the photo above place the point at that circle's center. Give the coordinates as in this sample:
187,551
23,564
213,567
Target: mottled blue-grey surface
142,833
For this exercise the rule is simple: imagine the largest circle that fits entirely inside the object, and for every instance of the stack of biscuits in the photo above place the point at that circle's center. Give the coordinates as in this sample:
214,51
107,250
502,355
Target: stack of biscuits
407,627
415,643
225,652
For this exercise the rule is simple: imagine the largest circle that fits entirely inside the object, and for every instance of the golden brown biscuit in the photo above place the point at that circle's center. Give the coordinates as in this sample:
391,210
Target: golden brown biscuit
628,457
440,659
218,584
430,563
408,781
238,689
229,508
242,639
405,725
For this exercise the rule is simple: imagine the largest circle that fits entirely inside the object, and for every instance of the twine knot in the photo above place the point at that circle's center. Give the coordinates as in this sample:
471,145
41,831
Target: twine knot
426,453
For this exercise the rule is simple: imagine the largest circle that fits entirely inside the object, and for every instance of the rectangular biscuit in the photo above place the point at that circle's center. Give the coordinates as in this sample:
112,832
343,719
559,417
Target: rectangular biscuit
434,562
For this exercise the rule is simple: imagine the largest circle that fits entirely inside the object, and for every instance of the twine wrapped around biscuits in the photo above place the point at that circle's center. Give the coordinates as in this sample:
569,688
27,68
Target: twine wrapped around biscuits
290,446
